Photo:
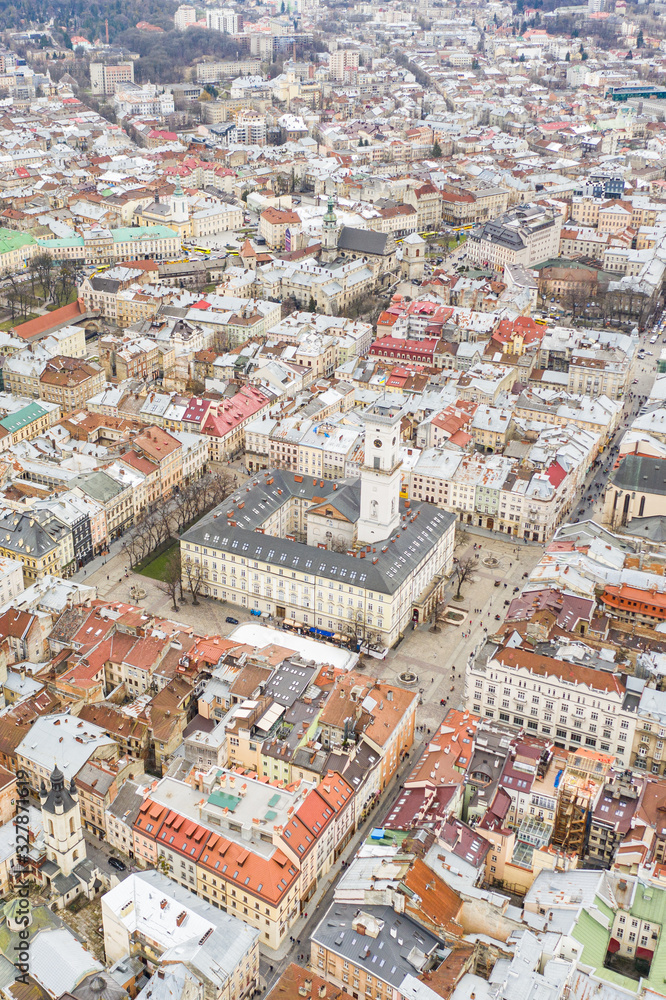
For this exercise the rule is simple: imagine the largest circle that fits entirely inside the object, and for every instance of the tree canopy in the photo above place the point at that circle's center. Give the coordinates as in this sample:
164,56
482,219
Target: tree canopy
77,17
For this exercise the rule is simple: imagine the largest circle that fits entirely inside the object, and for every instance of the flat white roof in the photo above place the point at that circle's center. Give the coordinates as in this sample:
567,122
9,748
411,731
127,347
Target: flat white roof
310,649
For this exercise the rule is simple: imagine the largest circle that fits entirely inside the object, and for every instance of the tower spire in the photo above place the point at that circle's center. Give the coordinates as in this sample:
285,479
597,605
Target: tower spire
329,231
380,472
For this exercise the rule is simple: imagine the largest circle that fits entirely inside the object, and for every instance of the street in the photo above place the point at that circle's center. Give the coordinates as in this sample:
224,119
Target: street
592,502
99,852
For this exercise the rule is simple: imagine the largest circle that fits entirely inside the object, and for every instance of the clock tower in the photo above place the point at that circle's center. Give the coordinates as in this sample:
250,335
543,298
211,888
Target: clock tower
329,233
380,473
179,209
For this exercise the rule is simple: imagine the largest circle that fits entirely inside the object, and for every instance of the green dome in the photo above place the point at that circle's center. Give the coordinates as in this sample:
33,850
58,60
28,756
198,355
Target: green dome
330,215
15,913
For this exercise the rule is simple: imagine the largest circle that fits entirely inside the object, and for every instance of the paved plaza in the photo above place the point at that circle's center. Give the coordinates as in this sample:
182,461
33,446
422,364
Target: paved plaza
438,659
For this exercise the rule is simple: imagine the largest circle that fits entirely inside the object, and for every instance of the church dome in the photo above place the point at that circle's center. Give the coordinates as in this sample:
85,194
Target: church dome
58,798
15,914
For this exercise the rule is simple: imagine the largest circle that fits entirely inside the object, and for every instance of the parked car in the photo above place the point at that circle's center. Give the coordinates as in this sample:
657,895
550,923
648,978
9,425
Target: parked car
119,865
231,621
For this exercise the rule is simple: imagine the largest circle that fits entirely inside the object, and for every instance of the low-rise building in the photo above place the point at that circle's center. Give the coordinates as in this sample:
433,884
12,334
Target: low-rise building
66,740
70,382
274,224
279,840
527,235
224,425
648,749
116,500
148,916
334,950
37,543
573,705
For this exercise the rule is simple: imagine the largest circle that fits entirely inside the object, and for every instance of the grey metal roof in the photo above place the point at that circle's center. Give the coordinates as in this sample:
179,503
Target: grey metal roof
362,240
383,568
399,948
288,682
505,236
653,527
214,956
99,986
641,473
62,739
24,534
347,501
58,797
127,803
109,285
97,485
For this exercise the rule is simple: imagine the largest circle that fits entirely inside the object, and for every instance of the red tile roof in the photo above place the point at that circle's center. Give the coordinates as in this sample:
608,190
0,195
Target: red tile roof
546,666
50,321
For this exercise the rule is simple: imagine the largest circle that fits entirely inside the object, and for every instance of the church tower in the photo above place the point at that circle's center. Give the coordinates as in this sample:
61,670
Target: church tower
380,473
179,210
61,819
329,233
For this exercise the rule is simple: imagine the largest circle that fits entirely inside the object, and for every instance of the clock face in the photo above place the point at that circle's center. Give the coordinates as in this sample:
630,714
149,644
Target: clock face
378,443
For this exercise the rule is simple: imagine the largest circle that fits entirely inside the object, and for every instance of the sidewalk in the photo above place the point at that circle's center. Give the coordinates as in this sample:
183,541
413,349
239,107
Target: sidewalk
115,564
497,536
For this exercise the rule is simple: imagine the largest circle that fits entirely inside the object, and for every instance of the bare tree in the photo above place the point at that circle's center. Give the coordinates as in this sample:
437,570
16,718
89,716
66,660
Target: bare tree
187,507
131,547
218,487
18,295
44,268
163,515
465,572
289,305
12,302
65,282
194,575
437,608
32,271
171,580
154,528
575,299
462,535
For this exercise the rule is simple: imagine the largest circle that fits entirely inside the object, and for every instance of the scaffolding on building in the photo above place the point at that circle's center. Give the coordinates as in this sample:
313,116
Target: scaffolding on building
579,784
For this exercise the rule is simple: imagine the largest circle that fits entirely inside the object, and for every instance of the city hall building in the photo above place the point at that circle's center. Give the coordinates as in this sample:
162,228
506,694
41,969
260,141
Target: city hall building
345,557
